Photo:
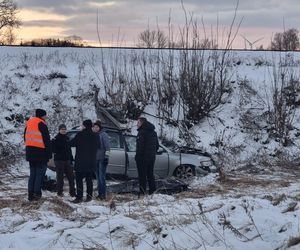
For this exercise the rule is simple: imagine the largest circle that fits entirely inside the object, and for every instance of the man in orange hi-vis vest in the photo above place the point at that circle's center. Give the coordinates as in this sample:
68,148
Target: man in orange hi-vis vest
38,152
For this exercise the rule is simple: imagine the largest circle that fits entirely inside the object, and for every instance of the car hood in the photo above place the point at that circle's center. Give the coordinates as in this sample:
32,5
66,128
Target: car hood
193,159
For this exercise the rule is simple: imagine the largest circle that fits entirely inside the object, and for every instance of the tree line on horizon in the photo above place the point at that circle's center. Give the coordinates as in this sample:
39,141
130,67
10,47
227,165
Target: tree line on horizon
70,41
287,40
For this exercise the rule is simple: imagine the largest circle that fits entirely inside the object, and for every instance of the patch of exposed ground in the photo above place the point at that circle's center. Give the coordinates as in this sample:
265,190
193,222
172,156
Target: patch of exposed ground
55,205
240,184
13,193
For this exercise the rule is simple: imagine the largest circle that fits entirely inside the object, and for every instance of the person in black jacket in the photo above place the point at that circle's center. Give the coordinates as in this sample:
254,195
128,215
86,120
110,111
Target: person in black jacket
146,147
86,143
38,152
62,158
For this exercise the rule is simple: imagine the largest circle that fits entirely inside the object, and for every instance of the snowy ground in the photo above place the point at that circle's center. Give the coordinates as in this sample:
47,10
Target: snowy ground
243,211
254,206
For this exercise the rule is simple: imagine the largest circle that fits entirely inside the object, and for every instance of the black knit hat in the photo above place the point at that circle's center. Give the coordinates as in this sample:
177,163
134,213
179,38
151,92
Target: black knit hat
61,126
87,123
40,113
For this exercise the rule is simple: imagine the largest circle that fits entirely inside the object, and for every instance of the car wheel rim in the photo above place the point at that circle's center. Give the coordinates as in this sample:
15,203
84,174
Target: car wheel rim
184,172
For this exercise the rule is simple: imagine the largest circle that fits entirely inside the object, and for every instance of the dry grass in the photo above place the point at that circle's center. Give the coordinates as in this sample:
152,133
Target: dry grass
277,200
122,197
133,241
291,207
234,185
293,241
60,207
233,182
296,197
20,205
202,192
9,203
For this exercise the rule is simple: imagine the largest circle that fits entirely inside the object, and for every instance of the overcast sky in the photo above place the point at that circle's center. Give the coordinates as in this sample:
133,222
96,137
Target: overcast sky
121,21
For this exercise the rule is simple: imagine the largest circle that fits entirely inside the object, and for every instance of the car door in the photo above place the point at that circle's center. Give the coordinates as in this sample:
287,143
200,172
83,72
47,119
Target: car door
130,141
161,166
117,158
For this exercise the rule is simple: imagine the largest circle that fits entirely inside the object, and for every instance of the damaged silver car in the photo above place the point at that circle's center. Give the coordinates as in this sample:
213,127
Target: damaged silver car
182,165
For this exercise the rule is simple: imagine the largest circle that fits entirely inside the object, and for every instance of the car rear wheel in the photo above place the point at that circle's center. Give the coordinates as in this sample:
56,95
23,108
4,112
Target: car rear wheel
184,172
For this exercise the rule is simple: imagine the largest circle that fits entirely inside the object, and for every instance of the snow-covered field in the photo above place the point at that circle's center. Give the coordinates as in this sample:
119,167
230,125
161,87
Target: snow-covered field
253,206
241,212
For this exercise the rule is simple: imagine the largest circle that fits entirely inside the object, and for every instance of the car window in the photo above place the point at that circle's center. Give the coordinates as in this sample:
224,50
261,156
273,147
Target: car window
130,142
114,139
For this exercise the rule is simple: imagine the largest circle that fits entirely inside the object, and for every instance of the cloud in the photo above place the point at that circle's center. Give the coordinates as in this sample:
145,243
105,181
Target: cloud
130,17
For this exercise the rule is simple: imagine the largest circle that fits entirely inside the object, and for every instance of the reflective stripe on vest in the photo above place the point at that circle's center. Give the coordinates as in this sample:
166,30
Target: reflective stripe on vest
33,136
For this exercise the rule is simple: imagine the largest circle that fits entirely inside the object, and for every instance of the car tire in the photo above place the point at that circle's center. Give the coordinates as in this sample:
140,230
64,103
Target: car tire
184,172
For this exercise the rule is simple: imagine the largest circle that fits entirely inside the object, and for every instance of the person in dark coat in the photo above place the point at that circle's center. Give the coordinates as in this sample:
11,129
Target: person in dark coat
38,152
86,143
146,147
62,158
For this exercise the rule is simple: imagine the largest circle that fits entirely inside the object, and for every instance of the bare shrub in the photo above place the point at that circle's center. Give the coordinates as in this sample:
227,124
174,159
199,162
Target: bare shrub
8,21
272,116
152,39
62,113
203,81
226,223
253,122
228,152
246,91
167,87
287,40
9,153
248,210
285,100
54,75
203,75
193,81
124,80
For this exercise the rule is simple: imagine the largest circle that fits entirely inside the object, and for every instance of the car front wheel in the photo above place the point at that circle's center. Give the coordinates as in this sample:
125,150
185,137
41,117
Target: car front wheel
184,172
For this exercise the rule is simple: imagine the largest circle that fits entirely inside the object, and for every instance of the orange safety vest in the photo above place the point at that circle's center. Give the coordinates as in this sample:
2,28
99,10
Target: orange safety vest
33,136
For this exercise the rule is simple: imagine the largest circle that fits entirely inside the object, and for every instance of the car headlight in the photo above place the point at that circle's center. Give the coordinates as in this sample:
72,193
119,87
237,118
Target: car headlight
207,163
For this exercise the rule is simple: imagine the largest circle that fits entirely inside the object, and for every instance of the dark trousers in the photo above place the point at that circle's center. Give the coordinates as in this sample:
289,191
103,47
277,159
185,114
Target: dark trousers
35,182
145,172
64,168
79,184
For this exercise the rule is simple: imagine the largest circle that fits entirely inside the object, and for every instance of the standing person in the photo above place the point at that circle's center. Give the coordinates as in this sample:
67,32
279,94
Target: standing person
102,159
146,147
86,143
62,158
38,152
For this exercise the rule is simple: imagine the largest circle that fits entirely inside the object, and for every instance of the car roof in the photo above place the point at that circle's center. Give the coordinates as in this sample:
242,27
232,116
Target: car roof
106,128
